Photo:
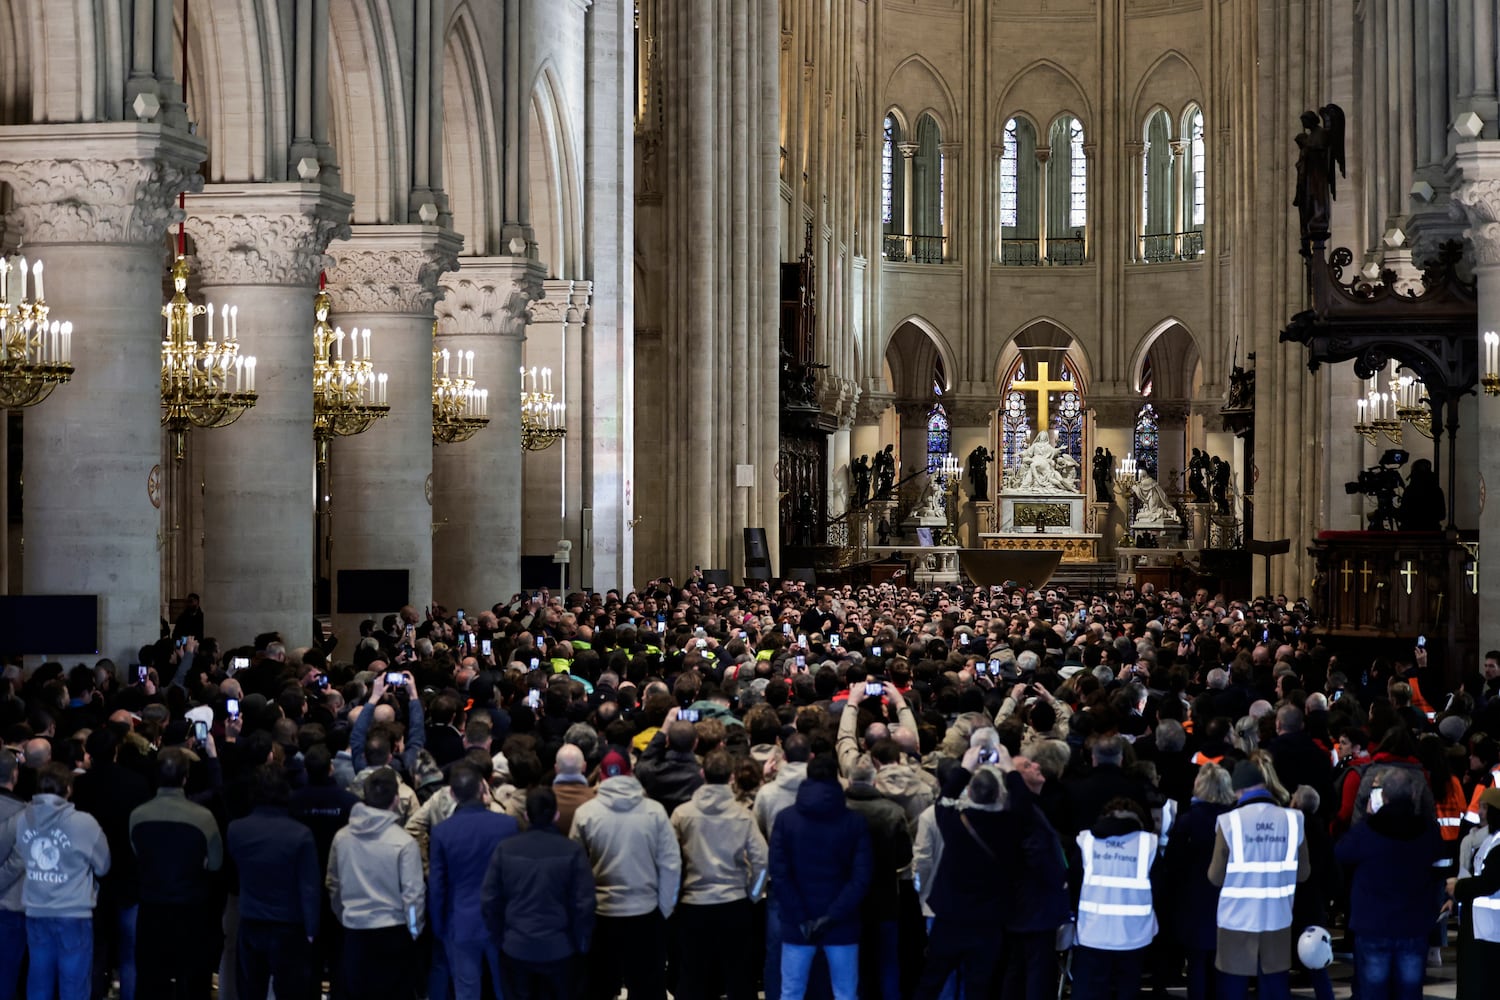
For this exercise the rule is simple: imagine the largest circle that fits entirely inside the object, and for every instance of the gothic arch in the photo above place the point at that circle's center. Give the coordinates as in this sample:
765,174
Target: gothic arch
236,50
367,110
1166,82
919,84
556,194
940,344
471,158
1183,375
1063,339
902,122
1045,84
15,63
76,59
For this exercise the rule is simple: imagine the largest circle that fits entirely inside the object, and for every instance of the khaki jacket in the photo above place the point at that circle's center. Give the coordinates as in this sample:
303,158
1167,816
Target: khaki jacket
724,856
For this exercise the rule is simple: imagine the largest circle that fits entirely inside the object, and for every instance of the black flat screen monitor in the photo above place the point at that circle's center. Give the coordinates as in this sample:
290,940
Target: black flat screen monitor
373,591
38,623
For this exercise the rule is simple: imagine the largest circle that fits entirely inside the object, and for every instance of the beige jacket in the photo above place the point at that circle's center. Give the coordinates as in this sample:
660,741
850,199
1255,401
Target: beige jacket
848,747
724,856
375,873
780,794
637,864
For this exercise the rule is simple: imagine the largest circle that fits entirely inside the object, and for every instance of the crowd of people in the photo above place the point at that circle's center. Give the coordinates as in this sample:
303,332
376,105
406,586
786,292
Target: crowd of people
869,792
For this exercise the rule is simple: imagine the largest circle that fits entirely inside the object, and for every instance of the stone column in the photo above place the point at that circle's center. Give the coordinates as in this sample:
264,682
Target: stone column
1476,188
476,485
93,202
554,477
260,248
386,278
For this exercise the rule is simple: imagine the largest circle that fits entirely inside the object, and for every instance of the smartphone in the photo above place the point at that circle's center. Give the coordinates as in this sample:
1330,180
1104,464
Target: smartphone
801,639
963,639
460,614
995,667
535,663
801,660
182,642
786,628
1337,694
875,651
988,756
541,644
687,715
322,681
232,707
200,730
141,673
833,640
394,678
874,689
661,626
743,636
1421,642
702,643
1265,635
238,663
534,698
484,646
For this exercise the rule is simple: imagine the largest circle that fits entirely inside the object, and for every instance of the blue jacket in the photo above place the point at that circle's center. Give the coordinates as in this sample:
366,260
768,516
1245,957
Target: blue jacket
1041,882
280,878
1187,901
459,854
1395,891
820,864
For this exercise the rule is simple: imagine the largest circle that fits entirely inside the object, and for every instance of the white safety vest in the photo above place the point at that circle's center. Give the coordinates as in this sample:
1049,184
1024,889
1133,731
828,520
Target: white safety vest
1261,876
1486,909
1114,909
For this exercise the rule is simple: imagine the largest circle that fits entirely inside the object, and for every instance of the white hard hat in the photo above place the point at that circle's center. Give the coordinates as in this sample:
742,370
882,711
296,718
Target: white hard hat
1315,948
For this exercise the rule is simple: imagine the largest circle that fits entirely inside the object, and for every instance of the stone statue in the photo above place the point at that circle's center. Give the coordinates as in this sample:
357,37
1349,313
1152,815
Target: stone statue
805,520
1156,507
1102,469
1219,474
1197,481
860,471
885,472
883,531
1043,468
979,473
932,500
1322,149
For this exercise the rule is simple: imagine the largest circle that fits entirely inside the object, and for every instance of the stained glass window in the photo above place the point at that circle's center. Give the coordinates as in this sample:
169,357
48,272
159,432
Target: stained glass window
1010,165
1196,167
1078,189
939,436
1015,427
1147,441
887,170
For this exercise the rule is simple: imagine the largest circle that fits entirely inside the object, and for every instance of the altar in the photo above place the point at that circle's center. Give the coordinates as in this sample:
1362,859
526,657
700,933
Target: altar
1047,513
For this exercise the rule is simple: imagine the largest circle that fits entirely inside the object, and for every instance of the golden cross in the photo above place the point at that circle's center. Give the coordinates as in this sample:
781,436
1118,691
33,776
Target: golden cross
1346,573
1364,577
1041,385
1473,574
1406,574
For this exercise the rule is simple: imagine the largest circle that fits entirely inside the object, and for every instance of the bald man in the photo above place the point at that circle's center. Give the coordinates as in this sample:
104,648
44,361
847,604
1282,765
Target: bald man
570,785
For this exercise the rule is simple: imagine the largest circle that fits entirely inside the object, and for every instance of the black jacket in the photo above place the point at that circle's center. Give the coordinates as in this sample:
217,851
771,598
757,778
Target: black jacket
110,793
1300,761
324,809
973,888
890,845
668,776
538,896
1041,877
179,849
280,880
1087,795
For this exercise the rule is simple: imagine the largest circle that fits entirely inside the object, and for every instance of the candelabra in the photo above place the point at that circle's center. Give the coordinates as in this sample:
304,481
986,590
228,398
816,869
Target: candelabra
35,357
1412,406
1127,475
204,384
1491,377
348,395
458,409
542,420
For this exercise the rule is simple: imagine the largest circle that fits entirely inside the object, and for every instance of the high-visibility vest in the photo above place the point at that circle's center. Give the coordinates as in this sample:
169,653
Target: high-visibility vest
1450,810
1199,759
1260,878
1486,909
1114,907
1420,703
1473,815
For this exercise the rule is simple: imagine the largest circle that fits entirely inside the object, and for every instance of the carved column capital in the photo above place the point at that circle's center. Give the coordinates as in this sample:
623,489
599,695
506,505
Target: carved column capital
870,406
392,269
1115,411
908,149
265,234
561,301
1475,197
490,295
114,182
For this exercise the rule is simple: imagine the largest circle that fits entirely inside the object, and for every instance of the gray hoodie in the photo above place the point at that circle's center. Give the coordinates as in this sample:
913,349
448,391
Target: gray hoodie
780,794
375,873
59,854
634,853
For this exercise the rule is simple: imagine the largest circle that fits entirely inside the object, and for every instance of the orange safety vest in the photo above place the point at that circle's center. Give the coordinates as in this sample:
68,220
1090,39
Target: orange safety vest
1450,810
1473,815
1420,703
1199,759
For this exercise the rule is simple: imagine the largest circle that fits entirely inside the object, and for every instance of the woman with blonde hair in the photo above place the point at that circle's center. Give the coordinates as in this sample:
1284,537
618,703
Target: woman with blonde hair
1195,900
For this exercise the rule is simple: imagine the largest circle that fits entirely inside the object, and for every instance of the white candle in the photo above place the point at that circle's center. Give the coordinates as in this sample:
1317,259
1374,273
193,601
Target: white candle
382,388
338,339
211,324
67,342
470,356
37,270
546,379
53,355
250,372
523,378
25,267
1360,406
234,325
367,343
533,378
444,356
239,373
4,279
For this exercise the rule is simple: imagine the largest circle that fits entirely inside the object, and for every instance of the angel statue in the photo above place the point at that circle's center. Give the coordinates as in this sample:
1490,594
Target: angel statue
1044,468
1322,149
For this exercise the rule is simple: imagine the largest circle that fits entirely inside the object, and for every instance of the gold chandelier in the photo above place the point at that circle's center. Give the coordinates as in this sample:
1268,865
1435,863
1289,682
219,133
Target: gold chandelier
35,358
348,395
208,384
542,423
458,409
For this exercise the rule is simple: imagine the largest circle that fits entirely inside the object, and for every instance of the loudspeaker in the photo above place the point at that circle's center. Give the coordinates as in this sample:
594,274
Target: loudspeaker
717,577
757,555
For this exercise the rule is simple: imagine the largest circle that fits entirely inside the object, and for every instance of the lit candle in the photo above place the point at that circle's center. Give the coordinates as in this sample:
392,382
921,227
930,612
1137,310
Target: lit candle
1360,406
546,379
37,271
25,267
250,372
338,340
484,402
67,342
211,324
445,362
382,388
470,356
4,278
239,372
533,378
53,354
523,378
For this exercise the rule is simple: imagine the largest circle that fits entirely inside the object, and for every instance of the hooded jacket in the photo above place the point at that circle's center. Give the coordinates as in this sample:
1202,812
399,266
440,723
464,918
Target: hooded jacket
780,794
820,863
908,787
375,872
668,776
891,844
631,846
11,808
59,855
724,856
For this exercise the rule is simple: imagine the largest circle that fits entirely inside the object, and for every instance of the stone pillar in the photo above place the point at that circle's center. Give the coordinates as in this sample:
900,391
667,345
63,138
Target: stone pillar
386,278
93,202
476,494
1476,188
260,248
553,494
